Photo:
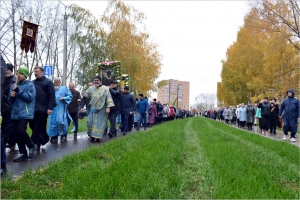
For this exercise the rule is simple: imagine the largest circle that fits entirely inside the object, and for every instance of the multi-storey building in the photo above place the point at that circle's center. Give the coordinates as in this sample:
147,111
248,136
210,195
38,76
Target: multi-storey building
175,93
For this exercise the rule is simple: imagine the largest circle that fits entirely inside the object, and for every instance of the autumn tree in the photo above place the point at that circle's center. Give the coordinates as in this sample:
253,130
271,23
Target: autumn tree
128,42
280,16
260,63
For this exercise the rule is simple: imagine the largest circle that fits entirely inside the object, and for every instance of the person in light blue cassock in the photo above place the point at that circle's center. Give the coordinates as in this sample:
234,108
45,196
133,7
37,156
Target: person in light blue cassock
57,121
100,104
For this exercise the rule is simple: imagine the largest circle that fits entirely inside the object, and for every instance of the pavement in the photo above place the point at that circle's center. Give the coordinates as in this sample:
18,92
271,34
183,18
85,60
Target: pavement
278,136
50,152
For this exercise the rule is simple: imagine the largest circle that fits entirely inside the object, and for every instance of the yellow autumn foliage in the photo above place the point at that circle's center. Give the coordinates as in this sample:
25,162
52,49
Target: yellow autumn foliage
260,63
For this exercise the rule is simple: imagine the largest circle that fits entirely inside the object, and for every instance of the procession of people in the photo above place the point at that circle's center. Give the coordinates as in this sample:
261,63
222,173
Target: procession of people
50,108
268,115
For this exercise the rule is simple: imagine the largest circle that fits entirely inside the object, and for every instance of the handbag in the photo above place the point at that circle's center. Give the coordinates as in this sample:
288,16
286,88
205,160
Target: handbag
279,123
258,113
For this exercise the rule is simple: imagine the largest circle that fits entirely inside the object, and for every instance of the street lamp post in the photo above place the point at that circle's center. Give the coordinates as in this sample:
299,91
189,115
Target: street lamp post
64,78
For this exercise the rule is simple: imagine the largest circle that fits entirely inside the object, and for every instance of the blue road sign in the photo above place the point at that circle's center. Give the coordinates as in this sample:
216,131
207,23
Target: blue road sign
48,70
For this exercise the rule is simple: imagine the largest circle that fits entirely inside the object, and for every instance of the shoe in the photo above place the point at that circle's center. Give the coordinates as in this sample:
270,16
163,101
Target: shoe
21,157
63,138
114,135
144,129
110,135
98,140
284,137
32,151
3,171
92,139
137,129
124,133
293,139
53,140
75,135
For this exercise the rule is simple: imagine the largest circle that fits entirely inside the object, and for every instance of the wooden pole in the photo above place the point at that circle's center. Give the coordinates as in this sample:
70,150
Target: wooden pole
22,52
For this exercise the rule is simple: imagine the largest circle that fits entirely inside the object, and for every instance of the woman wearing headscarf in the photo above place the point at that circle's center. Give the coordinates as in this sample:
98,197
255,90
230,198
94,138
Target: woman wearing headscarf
242,116
265,116
274,116
250,113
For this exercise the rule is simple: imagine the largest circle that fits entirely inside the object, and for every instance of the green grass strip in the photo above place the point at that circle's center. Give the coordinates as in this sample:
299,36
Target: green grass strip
246,165
190,158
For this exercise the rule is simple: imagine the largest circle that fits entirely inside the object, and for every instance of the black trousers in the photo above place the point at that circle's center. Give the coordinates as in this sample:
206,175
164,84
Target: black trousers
112,116
23,138
130,122
8,129
249,125
273,130
74,117
38,126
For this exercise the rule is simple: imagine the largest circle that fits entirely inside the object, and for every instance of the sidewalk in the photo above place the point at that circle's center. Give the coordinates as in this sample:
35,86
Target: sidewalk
278,136
50,152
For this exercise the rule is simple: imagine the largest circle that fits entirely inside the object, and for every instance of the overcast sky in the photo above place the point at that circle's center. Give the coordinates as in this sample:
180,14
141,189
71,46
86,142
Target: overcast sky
192,36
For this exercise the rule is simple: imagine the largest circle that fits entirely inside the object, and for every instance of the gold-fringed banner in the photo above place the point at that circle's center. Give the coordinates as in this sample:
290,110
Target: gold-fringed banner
29,34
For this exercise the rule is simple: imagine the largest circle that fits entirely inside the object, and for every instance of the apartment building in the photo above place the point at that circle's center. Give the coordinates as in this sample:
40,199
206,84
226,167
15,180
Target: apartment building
175,93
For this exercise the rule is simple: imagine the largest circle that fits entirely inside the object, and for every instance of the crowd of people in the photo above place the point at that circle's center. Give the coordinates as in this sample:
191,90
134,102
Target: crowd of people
267,115
49,108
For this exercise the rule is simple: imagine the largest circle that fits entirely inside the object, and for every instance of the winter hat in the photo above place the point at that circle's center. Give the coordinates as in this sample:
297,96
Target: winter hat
24,71
10,67
98,77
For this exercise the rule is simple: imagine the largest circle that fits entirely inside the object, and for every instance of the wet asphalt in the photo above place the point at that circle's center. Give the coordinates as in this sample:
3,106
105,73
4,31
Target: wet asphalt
50,152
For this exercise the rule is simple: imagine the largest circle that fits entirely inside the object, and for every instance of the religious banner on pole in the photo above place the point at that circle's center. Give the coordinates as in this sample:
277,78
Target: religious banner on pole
29,34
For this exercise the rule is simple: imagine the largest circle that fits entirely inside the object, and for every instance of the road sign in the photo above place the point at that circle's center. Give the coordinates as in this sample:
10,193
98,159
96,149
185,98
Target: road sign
48,69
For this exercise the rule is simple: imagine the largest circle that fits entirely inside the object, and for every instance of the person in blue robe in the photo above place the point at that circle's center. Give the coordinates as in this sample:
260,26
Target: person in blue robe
58,120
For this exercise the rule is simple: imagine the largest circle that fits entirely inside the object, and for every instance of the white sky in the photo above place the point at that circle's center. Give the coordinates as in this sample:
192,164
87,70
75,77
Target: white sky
193,36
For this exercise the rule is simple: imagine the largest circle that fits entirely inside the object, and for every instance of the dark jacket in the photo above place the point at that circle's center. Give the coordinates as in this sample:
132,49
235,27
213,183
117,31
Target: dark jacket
116,95
73,107
127,103
3,73
45,95
142,106
290,107
265,109
8,82
274,115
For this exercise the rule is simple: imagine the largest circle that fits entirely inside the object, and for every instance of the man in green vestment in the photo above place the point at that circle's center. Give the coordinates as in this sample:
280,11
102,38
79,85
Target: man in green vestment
100,103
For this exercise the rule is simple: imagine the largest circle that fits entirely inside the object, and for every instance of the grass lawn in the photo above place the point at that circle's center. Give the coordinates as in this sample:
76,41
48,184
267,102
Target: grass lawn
189,158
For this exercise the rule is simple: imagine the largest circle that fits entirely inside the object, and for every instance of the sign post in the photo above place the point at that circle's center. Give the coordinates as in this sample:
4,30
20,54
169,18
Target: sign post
48,71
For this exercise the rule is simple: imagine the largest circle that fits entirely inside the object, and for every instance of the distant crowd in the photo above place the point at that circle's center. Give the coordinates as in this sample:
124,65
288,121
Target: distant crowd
267,115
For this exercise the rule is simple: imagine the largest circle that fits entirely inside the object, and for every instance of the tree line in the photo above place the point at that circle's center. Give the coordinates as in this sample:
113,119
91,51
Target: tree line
118,34
265,58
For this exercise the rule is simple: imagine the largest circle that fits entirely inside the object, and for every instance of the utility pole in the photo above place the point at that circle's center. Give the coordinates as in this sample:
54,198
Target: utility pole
177,94
64,78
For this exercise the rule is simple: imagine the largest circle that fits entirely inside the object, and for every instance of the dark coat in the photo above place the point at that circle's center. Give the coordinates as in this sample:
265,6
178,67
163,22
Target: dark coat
250,112
116,96
8,82
160,110
127,103
45,95
290,107
73,106
3,73
274,115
